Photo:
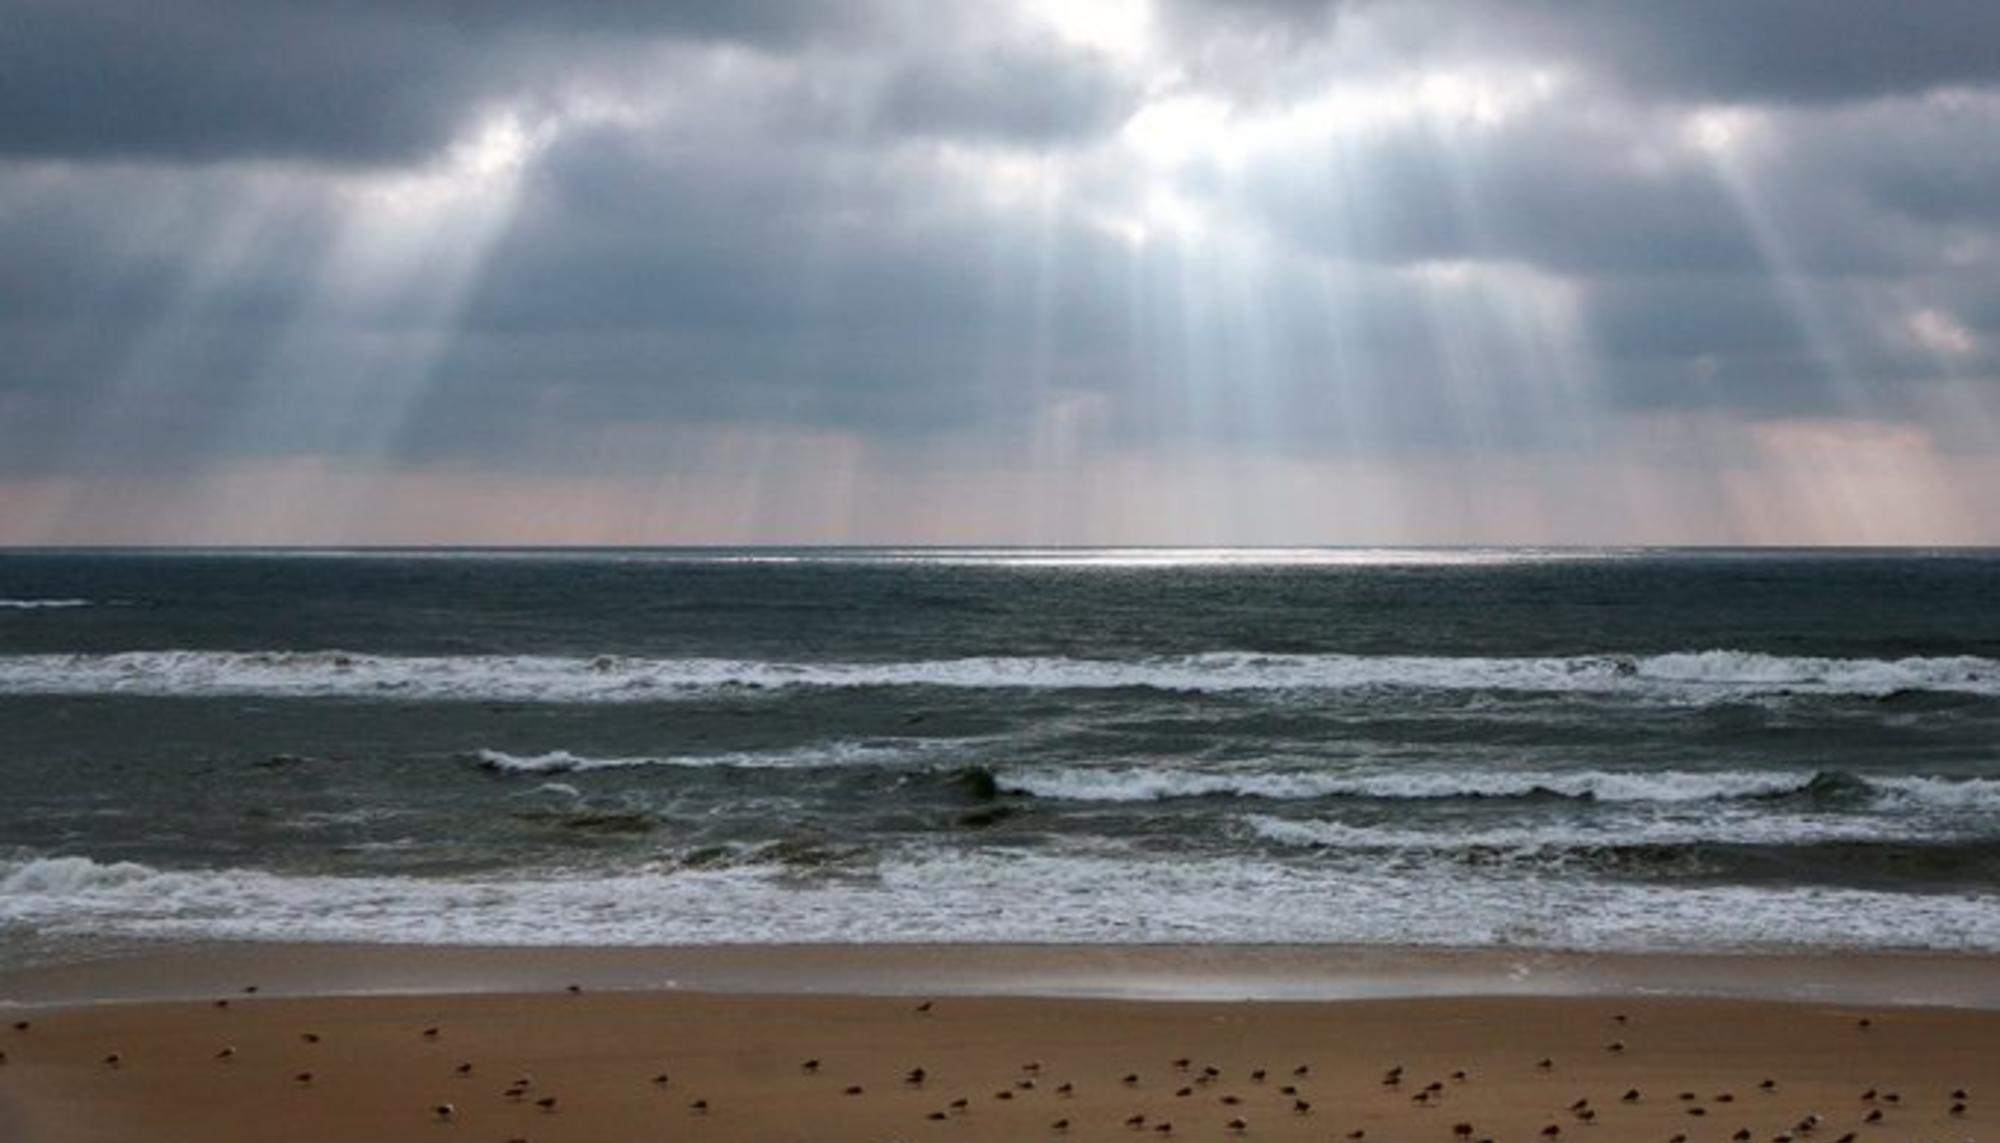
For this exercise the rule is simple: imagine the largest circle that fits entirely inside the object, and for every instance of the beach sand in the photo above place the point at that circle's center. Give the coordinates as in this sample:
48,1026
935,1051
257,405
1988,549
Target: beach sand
197,1070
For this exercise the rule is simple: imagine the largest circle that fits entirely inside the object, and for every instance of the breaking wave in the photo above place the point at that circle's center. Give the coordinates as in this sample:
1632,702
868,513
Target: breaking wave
1696,676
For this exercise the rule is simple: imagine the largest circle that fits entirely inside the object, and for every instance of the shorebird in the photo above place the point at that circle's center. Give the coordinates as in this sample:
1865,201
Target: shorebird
462,1070
699,1107
1868,1096
1301,1107
809,1067
222,1004
309,1037
1024,1085
1864,1023
546,1103
574,989
852,1089
1462,1130
1552,1132
1257,1076
1618,1018
1958,1093
1181,1064
1545,1064
1059,1126
1183,1092
226,1054
914,1077
1580,1104
113,1060
1697,1110
936,1115
249,990
1302,1070
1892,1097
1615,1047
1460,1076
1066,1090
303,1079
1725,1097
924,1008
1032,1067
430,1033
1874,1115
960,1104
1588,1115
661,1080
22,1025
1957,1109
1357,1133
1239,1125
1767,1084
1231,1100
1163,1128
1131,1079
1136,1121
1742,1135
445,1112
1631,1095
1288,1089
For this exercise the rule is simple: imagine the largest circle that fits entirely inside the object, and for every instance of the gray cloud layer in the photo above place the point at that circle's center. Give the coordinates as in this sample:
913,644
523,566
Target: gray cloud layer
459,233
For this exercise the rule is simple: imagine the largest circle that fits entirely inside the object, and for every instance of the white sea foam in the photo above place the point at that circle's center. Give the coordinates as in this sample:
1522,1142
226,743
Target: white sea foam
1136,784
1574,836
924,896
817,755
41,604
1693,676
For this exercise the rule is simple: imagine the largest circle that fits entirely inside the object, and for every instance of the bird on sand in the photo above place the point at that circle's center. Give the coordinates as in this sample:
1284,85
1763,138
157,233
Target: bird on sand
444,1112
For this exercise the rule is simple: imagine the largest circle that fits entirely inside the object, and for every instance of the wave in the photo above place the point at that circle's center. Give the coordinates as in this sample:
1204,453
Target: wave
42,604
1132,784
816,756
1558,838
923,896
1698,676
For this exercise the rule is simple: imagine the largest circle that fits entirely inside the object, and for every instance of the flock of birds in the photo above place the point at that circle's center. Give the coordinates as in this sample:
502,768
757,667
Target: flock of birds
1203,1085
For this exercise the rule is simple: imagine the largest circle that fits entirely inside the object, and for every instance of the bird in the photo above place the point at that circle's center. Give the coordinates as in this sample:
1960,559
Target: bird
1742,1135
1231,1100
1618,1018
574,989
1181,1064
661,1080
1958,1109
924,1008
1024,1085
22,1025
1545,1064
1725,1097
222,1004
303,1079
699,1107
1003,1093
226,1053
113,1060
249,990
309,1037
445,1112
1032,1067
1767,1084
1588,1115
1697,1110
464,1069
1864,1023
1615,1047
1302,1069
1183,1092
1257,1076
1631,1095
1066,1089
1868,1096
936,1115
1958,1093
1579,1105
1163,1127
809,1067
1459,1076
546,1103
1135,1121
1302,1107
1239,1125
1462,1130
1551,1132
1874,1115
1357,1133
430,1033
914,1077
1288,1089
960,1104
1059,1126
1131,1079
852,1089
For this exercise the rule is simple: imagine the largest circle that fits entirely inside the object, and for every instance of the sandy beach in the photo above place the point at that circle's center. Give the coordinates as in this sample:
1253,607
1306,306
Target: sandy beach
662,1064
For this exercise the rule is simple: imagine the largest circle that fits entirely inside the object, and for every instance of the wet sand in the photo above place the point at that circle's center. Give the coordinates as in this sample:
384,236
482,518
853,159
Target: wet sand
244,1069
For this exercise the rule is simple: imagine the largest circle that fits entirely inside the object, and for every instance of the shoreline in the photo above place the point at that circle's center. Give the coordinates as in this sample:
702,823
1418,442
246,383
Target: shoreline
1167,973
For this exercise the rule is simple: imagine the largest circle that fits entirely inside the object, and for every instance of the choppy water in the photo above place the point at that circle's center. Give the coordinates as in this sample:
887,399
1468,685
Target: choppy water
1574,749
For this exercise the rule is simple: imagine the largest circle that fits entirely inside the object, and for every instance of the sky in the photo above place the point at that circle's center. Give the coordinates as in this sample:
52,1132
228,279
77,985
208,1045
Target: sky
999,272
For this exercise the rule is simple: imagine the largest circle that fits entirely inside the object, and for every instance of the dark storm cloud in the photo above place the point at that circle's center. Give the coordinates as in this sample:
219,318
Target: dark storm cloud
340,81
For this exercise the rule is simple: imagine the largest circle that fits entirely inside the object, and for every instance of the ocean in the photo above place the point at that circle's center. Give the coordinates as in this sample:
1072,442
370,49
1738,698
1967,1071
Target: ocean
1618,750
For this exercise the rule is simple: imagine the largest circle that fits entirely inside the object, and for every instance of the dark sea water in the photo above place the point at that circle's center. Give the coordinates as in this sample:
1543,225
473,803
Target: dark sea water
1619,749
